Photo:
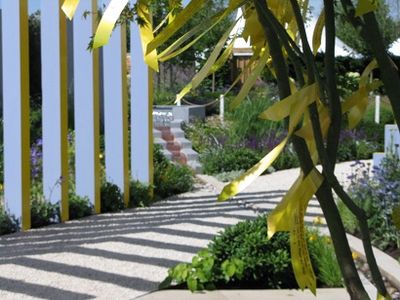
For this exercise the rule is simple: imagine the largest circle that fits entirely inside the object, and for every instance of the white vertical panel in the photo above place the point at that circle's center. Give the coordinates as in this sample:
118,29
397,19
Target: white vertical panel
141,144
16,109
115,110
54,91
86,106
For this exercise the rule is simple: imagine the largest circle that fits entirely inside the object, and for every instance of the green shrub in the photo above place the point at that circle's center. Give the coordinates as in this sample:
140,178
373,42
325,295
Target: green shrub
286,160
245,121
324,258
205,135
349,220
242,256
79,207
111,198
139,194
43,213
228,176
8,223
169,178
228,159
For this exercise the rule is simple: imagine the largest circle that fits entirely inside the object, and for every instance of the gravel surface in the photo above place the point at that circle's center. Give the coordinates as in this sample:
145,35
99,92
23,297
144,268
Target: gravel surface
124,255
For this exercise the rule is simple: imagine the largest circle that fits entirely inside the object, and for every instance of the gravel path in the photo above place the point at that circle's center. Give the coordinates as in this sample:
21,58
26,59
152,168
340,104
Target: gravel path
124,255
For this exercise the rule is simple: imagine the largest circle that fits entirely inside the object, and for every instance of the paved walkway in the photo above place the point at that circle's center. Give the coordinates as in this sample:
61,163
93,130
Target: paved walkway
125,255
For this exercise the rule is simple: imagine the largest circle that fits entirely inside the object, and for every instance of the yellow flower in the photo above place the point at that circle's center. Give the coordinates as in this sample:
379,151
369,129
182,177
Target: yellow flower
354,255
101,155
318,221
312,237
328,240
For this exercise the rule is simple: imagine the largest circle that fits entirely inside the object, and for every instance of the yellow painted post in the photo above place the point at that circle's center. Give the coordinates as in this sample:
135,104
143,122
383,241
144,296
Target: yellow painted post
25,112
96,114
125,112
150,125
64,114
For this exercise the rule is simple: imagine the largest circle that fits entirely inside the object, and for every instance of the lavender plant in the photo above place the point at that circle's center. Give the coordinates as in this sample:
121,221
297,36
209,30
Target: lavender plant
377,192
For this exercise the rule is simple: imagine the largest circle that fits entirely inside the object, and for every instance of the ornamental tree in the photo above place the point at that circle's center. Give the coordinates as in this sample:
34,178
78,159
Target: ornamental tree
310,103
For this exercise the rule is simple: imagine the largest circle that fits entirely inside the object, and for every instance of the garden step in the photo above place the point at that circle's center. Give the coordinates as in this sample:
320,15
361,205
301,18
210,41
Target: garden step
173,146
195,165
160,141
184,143
177,132
176,124
190,154
156,133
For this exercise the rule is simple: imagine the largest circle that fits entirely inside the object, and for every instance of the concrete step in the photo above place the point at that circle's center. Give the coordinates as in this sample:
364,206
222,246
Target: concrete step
160,141
190,154
167,154
184,143
156,133
173,146
178,133
195,165
176,124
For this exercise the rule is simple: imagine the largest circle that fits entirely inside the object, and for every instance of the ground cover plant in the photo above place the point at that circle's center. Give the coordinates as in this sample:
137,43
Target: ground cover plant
242,256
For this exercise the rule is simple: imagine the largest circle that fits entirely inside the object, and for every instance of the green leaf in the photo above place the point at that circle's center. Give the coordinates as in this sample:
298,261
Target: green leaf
166,283
192,283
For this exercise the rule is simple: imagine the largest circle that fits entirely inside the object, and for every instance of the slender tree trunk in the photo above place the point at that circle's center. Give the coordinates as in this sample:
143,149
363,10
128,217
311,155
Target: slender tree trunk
324,194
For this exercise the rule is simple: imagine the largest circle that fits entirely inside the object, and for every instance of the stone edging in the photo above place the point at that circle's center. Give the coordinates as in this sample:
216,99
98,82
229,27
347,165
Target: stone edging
389,267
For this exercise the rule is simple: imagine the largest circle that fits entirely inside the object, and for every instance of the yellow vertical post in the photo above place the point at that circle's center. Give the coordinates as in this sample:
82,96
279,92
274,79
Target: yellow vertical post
25,112
150,139
64,114
96,114
126,190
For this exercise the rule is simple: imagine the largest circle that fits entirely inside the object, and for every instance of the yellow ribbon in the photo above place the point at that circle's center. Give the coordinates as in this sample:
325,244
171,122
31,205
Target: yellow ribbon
319,26
179,20
366,6
250,81
69,7
289,216
247,178
107,22
205,70
146,34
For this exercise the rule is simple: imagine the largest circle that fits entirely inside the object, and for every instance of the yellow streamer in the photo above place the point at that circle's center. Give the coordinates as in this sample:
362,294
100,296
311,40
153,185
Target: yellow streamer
146,35
180,20
380,297
282,109
247,178
319,26
366,6
108,21
205,70
250,81
289,216
69,8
